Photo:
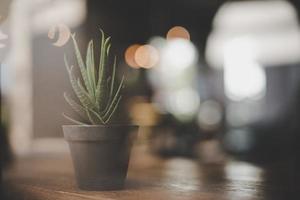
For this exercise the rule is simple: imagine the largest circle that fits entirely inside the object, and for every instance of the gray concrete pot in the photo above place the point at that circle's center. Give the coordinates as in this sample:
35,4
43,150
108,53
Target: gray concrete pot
100,154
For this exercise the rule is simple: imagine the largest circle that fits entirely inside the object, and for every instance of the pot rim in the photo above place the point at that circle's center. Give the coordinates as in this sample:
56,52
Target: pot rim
97,132
100,126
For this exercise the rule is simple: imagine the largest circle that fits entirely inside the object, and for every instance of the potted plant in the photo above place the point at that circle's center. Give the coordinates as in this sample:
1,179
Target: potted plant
100,151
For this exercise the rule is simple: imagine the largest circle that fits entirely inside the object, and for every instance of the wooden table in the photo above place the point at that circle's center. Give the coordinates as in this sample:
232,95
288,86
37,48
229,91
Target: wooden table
50,177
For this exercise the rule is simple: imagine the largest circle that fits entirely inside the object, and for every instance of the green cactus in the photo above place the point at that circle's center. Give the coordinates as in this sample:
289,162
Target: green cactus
97,92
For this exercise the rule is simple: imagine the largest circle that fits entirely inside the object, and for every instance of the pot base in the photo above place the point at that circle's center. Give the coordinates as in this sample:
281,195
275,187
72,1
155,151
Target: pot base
100,155
100,185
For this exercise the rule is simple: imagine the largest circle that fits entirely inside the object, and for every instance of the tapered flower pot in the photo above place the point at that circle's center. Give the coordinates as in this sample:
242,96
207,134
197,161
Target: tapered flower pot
100,154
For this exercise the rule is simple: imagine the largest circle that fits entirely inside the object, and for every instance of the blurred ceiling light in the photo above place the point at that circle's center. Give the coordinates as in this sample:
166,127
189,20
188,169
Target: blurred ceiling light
243,76
129,55
210,115
48,13
183,103
146,56
178,54
173,78
272,26
165,74
178,32
269,14
63,33
247,82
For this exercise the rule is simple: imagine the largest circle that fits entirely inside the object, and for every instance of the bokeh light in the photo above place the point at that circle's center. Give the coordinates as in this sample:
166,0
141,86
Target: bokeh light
240,114
210,115
272,26
178,54
63,33
239,140
244,77
173,78
146,56
183,103
142,112
158,42
178,32
129,55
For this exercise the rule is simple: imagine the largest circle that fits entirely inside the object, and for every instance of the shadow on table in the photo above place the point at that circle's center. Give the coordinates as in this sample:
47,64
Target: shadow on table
282,180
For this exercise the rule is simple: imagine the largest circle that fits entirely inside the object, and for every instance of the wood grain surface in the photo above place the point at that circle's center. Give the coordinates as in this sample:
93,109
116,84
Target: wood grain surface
51,177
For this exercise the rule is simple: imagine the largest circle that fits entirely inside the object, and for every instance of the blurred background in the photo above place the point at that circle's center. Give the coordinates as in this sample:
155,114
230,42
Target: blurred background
208,80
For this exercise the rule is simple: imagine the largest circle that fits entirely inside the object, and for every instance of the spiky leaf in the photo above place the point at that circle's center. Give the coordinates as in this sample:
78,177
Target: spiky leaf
90,64
101,92
81,65
114,108
80,93
97,94
76,107
73,120
113,103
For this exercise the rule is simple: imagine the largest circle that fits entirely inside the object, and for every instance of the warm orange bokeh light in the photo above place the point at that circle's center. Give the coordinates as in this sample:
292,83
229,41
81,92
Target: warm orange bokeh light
129,55
178,32
146,56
